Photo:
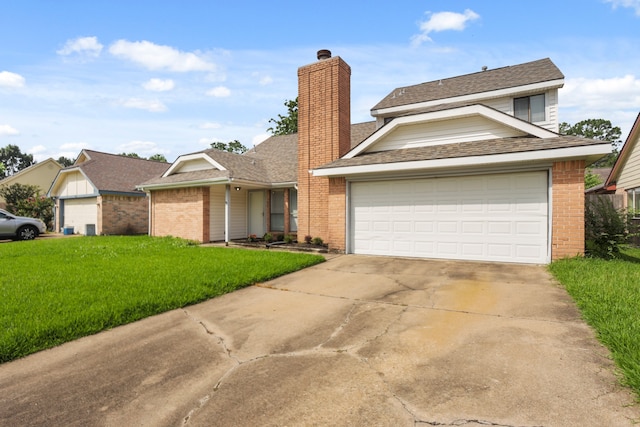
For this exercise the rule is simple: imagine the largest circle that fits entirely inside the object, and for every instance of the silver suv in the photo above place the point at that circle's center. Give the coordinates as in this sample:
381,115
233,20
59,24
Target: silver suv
20,227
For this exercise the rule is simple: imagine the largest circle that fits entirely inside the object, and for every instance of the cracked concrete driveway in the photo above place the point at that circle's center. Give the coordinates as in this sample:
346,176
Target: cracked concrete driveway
354,341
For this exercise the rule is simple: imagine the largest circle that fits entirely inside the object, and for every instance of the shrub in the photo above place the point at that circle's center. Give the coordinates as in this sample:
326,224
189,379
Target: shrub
606,228
268,237
252,238
288,238
317,241
279,237
307,239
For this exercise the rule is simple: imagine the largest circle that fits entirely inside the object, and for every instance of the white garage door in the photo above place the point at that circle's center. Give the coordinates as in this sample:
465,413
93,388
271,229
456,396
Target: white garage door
80,212
498,217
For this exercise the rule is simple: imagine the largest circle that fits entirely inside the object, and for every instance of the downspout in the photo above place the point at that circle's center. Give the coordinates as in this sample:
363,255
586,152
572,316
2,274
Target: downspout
227,212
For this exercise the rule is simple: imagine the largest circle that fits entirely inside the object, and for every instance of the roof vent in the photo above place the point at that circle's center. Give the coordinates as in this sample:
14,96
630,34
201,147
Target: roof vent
324,54
484,68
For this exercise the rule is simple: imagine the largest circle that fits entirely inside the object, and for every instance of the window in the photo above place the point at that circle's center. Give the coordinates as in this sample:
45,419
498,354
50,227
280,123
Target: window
277,210
529,108
633,202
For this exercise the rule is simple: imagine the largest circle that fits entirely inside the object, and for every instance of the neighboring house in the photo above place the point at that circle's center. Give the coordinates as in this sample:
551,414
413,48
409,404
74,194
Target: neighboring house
469,167
97,194
40,174
624,178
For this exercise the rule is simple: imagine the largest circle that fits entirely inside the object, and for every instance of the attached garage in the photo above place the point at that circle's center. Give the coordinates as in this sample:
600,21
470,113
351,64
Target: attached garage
493,217
78,213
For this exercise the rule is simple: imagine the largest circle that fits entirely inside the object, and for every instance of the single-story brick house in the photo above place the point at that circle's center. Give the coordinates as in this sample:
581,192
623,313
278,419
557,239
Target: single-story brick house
469,167
97,194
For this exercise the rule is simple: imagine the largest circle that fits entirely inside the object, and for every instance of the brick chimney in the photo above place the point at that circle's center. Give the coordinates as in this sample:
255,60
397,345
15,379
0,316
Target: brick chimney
324,135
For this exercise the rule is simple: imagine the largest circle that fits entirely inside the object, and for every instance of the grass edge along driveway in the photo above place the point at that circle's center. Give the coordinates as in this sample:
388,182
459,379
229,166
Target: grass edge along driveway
607,293
56,290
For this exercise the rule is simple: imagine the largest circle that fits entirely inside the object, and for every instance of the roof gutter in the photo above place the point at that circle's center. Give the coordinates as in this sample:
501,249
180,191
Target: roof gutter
584,152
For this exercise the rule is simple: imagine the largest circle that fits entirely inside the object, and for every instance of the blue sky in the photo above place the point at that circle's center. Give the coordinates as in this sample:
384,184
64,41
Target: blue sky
171,77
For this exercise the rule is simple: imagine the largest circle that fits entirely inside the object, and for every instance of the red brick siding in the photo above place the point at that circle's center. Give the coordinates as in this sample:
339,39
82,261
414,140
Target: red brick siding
122,215
567,236
324,124
182,212
337,214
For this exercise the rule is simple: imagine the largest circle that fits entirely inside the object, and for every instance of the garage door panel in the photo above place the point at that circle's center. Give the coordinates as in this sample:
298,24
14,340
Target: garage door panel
498,217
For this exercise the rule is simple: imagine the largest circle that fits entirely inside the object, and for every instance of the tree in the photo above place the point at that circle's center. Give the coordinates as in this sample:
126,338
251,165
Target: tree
134,155
599,129
25,200
14,160
158,158
64,161
591,179
232,146
14,194
286,125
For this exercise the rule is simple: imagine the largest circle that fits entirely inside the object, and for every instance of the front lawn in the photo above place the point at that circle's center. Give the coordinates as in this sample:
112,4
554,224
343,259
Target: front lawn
56,290
608,294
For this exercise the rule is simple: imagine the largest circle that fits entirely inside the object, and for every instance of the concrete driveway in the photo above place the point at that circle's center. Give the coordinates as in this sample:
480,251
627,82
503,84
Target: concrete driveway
355,341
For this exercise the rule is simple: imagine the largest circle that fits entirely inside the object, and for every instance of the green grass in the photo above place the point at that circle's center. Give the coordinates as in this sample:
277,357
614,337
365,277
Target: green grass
608,294
56,290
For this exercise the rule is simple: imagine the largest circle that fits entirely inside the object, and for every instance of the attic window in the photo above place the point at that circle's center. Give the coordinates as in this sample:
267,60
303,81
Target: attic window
529,108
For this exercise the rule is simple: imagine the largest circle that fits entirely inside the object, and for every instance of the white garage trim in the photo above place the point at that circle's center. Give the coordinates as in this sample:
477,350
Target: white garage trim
490,217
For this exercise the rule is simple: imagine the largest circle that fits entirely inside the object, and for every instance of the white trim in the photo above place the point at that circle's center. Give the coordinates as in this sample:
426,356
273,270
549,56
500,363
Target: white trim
452,113
511,91
527,156
185,184
189,157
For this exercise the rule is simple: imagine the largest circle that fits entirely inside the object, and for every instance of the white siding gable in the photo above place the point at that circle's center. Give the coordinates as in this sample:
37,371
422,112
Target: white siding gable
194,165
630,173
471,128
74,184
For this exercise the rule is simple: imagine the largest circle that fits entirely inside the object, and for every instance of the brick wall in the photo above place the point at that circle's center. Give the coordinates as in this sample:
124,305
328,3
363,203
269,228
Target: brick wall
122,215
337,214
324,126
182,212
567,236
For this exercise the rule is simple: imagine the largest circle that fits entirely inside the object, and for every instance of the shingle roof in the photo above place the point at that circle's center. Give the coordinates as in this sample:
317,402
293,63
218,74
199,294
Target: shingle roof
463,149
542,70
115,173
273,161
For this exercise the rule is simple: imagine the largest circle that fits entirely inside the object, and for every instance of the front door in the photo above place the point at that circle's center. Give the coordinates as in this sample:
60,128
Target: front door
256,213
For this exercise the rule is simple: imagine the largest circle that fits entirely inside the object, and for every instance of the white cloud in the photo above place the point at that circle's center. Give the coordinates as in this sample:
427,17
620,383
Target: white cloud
77,146
263,80
37,149
210,125
633,4
614,93
143,148
158,57
219,92
87,46
443,21
152,105
159,85
6,130
9,79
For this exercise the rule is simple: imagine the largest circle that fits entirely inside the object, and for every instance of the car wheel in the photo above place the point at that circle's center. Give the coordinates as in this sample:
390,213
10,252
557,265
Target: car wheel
27,232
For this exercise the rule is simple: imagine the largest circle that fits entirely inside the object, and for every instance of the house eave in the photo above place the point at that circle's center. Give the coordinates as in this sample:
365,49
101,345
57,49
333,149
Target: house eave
182,184
589,153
